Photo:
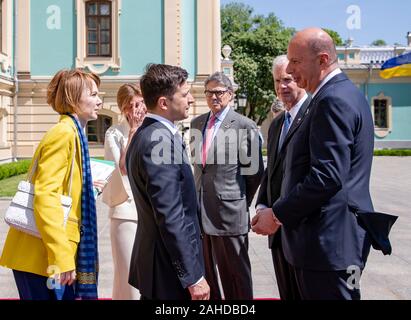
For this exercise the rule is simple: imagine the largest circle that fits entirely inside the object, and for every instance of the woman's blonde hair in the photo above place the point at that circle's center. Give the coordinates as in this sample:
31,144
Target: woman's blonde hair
125,94
65,89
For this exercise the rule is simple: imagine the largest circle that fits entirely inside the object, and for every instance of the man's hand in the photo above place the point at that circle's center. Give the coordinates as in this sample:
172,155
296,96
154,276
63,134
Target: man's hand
200,291
265,223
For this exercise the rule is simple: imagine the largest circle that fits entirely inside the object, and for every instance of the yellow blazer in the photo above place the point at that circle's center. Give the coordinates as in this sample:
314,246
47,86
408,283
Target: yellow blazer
56,251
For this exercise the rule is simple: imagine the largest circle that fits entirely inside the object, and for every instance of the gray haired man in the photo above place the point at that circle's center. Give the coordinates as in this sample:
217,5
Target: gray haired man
227,171
295,101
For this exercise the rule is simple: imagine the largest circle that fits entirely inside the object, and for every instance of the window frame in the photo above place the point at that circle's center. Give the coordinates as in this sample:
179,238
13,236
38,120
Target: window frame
380,117
98,64
100,132
98,30
382,132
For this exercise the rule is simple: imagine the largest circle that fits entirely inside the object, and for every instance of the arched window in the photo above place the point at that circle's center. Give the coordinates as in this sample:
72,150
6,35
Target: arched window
381,106
96,130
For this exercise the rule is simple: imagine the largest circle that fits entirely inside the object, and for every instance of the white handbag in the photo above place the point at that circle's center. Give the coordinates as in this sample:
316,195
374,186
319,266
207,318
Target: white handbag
20,214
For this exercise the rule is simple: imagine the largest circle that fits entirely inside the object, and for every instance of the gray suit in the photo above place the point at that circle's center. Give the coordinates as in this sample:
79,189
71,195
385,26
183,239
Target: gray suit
225,192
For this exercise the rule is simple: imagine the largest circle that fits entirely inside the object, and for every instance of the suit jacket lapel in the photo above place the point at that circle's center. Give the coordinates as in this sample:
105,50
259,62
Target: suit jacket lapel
201,125
304,110
274,145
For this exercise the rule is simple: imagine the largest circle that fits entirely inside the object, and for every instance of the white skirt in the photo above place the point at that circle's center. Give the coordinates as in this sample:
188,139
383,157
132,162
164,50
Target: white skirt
122,234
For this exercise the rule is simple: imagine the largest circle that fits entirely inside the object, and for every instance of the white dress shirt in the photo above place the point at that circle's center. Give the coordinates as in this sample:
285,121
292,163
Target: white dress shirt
169,125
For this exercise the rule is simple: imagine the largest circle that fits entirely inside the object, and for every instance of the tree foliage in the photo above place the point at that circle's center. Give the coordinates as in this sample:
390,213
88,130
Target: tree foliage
255,41
379,43
335,36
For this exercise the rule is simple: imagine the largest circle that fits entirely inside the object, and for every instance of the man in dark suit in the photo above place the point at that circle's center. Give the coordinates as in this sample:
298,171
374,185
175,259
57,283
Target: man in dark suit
228,167
284,125
327,166
167,258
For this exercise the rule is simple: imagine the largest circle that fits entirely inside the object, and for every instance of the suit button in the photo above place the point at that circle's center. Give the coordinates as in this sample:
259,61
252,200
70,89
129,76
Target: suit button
81,230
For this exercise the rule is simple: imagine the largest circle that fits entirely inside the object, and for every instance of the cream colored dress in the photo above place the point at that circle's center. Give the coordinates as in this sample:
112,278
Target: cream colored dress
123,223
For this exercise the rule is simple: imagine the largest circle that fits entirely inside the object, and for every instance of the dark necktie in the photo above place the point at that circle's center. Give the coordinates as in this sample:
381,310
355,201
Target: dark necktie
286,127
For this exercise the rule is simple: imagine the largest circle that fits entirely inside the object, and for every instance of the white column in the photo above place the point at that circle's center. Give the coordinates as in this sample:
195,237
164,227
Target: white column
172,32
208,36
23,36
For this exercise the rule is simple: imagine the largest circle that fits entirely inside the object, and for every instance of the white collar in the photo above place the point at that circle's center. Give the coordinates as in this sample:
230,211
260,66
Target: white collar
294,110
170,126
221,115
326,79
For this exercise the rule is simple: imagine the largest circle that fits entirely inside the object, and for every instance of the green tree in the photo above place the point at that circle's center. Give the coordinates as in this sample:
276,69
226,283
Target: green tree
255,40
237,17
379,43
335,36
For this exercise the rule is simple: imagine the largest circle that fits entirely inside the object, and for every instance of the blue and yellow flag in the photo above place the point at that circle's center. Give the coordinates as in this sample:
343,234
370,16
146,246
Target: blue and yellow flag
397,67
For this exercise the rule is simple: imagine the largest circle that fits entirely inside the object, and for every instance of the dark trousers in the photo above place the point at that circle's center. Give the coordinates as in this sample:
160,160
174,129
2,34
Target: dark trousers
230,255
34,287
325,285
284,273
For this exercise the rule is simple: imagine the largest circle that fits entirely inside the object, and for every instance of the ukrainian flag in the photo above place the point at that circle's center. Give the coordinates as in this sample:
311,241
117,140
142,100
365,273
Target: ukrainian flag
397,67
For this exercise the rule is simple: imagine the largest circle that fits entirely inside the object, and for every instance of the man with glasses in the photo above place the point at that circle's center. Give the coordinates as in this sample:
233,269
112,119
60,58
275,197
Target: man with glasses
227,169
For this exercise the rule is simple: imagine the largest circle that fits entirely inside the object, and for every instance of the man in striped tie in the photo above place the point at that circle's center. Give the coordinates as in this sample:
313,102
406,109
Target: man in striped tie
227,172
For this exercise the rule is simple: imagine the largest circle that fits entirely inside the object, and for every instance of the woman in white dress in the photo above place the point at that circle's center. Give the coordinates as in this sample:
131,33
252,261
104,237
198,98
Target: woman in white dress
117,194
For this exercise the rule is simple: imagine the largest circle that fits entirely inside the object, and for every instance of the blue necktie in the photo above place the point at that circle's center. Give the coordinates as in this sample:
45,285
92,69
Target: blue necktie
286,126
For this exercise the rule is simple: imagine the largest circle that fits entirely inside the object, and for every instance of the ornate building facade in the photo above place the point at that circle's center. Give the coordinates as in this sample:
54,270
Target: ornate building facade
113,38
390,99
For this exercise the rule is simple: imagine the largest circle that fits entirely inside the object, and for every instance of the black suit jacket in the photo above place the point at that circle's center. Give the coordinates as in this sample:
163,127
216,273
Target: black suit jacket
327,166
167,255
270,189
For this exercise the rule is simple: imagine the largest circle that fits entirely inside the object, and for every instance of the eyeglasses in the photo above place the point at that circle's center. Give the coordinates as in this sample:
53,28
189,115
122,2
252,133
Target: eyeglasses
217,93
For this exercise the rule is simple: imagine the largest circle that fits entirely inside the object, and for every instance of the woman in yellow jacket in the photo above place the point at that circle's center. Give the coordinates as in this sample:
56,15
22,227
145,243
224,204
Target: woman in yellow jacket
63,264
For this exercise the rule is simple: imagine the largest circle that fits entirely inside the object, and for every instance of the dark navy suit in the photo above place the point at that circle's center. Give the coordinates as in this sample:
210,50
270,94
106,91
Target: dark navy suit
167,255
327,166
270,191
